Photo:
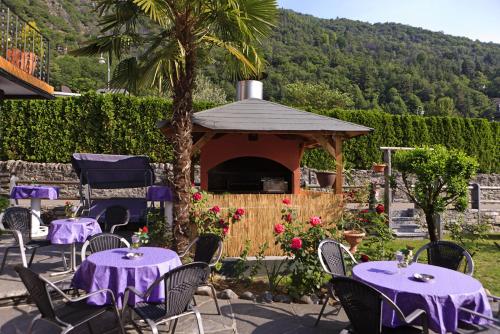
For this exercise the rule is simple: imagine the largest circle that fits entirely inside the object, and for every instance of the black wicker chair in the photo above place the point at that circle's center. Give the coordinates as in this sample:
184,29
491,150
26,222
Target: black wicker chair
17,220
363,306
208,250
332,258
101,242
447,254
113,216
180,284
71,314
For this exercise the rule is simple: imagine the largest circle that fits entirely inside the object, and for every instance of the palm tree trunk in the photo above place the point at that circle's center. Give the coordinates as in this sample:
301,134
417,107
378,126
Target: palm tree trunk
182,145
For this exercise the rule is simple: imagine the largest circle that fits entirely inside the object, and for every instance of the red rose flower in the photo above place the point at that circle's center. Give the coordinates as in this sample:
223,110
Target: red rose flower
222,222
215,209
315,221
296,243
225,230
279,228
145,229
288,217
240,211
364,258
236,217
380,209
286,201
197,196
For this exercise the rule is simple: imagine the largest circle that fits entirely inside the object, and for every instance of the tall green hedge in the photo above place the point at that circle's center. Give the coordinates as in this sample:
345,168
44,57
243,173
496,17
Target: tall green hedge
49,131
475,136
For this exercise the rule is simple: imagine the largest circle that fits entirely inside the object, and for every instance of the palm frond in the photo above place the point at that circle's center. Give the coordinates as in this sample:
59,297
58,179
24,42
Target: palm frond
158,10
233,50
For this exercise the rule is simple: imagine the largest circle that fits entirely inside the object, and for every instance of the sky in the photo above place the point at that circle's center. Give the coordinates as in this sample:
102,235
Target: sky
475,19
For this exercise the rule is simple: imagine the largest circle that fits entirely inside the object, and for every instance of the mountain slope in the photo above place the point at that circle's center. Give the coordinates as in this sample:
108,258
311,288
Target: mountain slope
398,68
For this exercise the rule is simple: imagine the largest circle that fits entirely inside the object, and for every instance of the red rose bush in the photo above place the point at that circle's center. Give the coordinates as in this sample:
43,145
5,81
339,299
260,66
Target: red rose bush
215,219
299,241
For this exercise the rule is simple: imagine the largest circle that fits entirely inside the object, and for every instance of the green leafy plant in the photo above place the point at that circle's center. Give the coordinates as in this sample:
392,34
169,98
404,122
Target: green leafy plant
160,232
300,241
275,274
241,266
469,234
434,178
379,234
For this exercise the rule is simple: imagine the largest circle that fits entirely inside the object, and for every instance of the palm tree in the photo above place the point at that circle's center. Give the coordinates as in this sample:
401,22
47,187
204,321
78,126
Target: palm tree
163,43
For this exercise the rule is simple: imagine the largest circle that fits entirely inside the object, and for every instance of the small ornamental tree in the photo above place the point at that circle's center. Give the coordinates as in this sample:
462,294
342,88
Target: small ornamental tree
434,178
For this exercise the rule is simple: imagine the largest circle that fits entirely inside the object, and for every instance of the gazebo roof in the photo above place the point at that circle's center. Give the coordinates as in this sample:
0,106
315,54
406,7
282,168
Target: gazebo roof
256,115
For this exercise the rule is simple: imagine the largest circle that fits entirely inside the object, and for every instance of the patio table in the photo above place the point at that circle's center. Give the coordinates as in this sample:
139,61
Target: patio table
440,297
111,269
71,231
35,194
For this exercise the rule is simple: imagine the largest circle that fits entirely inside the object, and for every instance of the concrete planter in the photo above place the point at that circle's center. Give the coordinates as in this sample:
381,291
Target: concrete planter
354,238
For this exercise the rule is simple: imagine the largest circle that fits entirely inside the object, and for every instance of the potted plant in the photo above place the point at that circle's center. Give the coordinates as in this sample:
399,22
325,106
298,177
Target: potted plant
378,167
323,166
352,230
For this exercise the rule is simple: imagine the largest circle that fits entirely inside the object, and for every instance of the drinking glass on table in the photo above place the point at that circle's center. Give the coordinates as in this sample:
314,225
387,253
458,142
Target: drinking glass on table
400,259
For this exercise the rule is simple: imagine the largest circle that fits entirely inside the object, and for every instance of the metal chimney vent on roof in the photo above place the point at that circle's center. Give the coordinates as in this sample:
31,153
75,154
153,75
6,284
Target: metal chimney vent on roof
249,89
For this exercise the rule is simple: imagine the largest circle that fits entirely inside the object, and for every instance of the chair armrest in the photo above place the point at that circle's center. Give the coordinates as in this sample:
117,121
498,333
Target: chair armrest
135,292
415,315
494,298
494,320
73,299
184,253
90,294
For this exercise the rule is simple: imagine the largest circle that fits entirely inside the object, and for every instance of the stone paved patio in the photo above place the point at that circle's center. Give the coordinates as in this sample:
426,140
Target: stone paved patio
239,316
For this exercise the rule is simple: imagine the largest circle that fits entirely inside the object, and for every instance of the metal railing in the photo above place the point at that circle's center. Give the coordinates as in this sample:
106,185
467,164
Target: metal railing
23,45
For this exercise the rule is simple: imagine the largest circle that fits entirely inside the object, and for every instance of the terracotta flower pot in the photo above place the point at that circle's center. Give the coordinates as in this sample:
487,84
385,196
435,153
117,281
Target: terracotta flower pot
325,179
378,168
354,238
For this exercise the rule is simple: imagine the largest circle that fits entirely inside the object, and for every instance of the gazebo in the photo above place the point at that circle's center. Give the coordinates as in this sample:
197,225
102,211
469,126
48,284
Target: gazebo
255,146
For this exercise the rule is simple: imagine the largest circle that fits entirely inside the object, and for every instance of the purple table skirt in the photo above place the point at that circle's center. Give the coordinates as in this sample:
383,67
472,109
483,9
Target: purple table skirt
159,193
111,269
440,298
68,231
23,192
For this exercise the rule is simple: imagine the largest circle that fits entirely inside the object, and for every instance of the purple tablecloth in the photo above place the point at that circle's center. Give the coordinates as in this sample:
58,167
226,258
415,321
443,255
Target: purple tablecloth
111,269
23,192
440,298
68,231
159,193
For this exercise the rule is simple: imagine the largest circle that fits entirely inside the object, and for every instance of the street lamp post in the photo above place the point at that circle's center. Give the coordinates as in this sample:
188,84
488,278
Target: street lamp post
103,61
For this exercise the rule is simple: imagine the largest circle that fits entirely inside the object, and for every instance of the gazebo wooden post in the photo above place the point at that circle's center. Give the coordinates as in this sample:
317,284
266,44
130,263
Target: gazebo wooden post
339,178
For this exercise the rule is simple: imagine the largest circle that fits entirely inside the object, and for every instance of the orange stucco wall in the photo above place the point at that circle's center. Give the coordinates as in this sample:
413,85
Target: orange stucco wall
230,146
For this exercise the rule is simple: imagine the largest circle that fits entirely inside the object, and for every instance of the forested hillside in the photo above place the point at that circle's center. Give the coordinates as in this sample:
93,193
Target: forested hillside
393,67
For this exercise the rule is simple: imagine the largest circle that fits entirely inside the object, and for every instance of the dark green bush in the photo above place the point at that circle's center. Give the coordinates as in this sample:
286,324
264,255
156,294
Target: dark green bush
50,131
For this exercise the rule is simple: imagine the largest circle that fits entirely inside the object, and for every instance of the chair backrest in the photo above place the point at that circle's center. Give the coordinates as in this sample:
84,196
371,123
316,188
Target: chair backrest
115,215
331,256
101,242
181,284
207,246
19,219
361,303
37,289
447,254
